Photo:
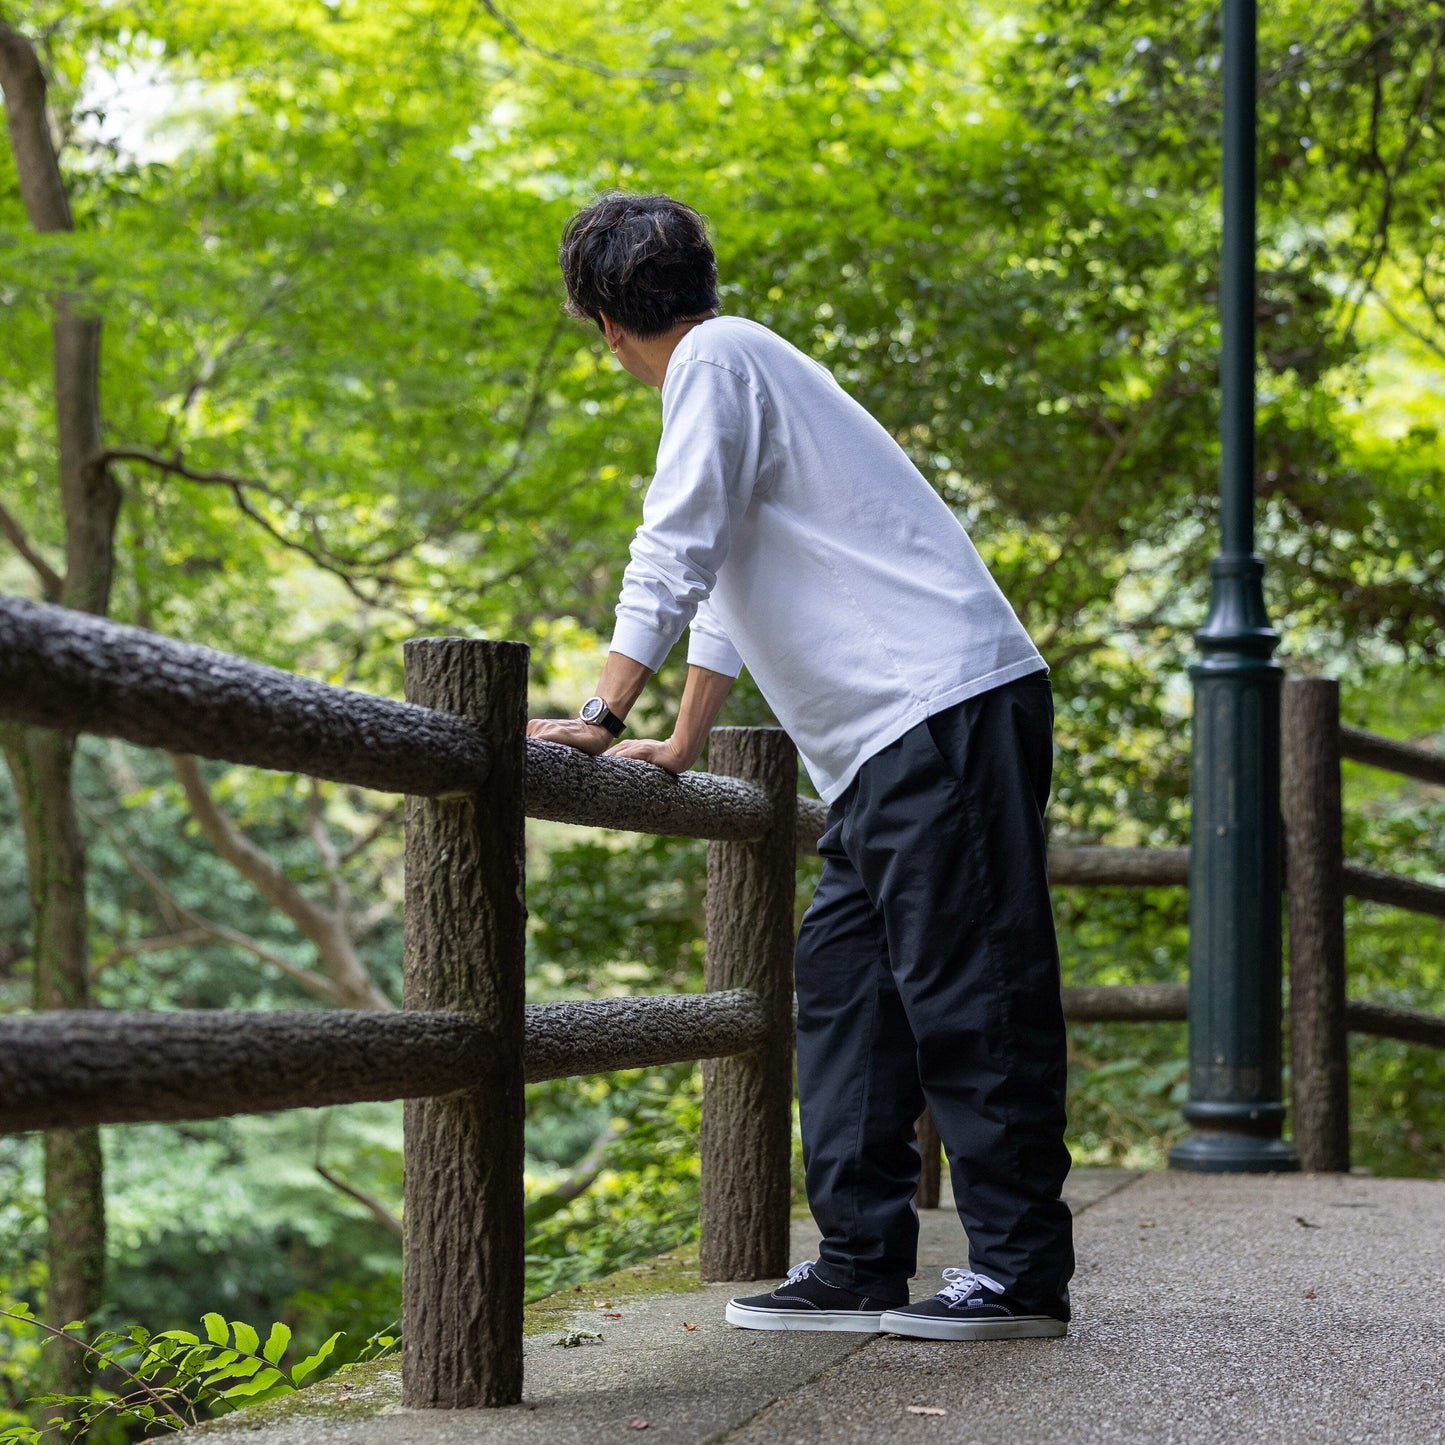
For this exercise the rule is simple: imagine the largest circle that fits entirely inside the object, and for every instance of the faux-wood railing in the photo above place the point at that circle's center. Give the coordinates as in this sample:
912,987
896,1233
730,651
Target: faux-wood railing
464,1043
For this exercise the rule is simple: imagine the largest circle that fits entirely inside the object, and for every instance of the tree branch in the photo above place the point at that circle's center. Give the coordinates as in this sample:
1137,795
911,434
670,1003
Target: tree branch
576,1182
326,929
175,913
51,581
379,1211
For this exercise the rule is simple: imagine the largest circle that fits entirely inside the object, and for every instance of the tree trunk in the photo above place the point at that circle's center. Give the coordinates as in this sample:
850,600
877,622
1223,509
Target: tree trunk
41,760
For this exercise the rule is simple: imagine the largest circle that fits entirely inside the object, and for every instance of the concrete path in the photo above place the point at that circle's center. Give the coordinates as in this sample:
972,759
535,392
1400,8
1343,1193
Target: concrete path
1206,1308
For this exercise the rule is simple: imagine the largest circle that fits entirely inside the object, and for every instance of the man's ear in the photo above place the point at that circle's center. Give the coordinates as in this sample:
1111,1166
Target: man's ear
610,329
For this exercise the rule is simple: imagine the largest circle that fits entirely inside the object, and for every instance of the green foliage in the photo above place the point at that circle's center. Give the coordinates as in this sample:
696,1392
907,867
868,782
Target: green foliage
324,254
171,1379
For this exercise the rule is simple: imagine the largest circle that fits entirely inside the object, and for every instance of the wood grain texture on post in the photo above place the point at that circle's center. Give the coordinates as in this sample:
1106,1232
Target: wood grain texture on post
1314,863
747,1101
465,934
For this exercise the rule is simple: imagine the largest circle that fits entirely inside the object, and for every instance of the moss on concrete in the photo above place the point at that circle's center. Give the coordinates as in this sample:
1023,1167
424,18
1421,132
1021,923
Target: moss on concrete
369,1389
674,1273
353,1391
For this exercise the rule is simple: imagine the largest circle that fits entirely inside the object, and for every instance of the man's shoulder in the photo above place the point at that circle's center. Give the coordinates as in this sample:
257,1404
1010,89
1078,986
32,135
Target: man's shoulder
746,347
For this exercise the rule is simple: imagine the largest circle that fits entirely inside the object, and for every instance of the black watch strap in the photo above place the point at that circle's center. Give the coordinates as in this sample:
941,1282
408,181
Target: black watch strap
596,711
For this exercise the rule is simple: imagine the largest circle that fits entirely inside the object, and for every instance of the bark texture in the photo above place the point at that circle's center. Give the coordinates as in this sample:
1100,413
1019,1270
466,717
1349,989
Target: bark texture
747,1100
1314,883
595,1036
565,786
62,669
1395,757
85,1067
930,1158
94,1067
55,855
462,1284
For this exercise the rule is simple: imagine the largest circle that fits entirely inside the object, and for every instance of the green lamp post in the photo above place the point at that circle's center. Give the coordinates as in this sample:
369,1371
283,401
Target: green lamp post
1235,1087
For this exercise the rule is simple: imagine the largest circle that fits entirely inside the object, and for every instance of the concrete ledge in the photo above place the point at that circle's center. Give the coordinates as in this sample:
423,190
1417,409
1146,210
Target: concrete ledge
690,1384
1207,1307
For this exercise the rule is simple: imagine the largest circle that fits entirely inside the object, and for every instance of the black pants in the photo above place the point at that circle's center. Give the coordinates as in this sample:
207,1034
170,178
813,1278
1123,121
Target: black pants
927,969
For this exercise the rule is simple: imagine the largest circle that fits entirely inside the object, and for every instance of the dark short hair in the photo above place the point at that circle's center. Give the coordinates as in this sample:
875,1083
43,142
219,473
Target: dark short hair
644,260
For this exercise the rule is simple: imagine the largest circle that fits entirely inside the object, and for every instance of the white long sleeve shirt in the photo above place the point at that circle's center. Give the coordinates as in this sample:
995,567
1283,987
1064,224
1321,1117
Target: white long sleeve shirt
793,534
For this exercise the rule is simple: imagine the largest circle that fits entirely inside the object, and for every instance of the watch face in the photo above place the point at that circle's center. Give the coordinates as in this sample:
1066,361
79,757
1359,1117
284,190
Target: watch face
592,709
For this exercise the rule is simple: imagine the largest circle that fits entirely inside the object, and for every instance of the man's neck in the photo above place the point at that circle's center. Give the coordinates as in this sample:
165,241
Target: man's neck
648,359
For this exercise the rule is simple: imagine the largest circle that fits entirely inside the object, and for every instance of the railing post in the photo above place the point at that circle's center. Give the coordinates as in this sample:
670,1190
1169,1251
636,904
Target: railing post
465,934
747,1109
1314,867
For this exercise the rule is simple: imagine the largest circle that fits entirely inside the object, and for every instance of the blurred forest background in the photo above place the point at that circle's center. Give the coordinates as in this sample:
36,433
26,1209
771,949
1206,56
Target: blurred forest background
315,241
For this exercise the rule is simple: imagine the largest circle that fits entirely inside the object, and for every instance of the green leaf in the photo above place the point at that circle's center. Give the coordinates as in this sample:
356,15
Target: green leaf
263,1381
246,1338
309,1364
276,1343
216,1330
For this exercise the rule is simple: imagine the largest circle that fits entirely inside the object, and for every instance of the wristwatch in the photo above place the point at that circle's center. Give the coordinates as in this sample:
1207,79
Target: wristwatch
596,711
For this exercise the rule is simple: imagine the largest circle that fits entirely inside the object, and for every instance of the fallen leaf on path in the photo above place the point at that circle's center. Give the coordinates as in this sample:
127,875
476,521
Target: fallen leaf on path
611,1315
639,1424
687,1326
924,1410
1304,1223
602,1304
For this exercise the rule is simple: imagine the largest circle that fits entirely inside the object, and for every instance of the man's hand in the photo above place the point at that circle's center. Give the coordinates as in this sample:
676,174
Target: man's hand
585,737
663,755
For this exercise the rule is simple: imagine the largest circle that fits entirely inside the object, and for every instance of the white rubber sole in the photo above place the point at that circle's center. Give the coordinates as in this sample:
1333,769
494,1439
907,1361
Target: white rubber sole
860,1322
922,1327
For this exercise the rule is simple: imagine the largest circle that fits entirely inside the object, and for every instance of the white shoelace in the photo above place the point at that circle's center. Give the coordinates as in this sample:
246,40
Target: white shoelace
963,1282
800,1271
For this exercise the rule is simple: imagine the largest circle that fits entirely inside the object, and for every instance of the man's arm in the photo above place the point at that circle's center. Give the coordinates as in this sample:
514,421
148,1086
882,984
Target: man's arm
702,700
620,685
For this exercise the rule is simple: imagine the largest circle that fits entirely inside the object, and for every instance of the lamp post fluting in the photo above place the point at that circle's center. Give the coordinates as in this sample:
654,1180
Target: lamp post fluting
1235,1017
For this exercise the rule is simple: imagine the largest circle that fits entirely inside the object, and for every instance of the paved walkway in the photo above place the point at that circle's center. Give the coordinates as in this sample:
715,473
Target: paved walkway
1206,1308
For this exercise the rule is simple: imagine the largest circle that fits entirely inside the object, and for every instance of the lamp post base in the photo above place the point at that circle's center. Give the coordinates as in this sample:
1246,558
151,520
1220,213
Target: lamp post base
1220,1151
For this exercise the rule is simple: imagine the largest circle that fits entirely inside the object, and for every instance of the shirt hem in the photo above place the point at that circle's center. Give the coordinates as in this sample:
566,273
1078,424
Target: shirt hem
1027,667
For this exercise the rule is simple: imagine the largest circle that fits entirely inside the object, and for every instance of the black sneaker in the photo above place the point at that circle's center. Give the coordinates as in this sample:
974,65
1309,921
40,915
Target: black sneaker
805,1302
970,1307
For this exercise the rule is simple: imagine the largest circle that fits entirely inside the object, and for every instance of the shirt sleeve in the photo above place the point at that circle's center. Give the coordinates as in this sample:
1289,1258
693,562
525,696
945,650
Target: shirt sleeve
709,645
708,463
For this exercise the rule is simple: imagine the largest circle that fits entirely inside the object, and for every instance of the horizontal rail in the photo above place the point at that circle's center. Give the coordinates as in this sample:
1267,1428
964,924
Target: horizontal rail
1131,867
64,1069
567,786
61,668
1375,886
595,1036
1169,1003
1136,1003
1160,867
1383,1021
90,1066
1394,756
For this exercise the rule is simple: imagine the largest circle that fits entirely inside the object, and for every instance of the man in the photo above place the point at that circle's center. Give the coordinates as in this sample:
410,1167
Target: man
789,531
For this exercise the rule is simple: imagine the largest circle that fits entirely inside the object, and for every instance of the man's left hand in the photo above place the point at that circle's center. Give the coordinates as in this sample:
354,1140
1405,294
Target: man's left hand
660,754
